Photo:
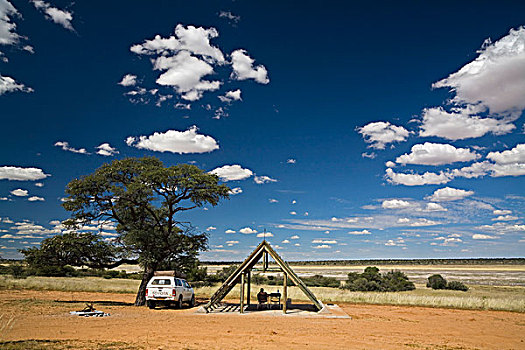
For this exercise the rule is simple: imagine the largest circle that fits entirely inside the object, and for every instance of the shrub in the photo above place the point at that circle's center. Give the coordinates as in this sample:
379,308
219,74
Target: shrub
456,285
321,281
371,280
437,282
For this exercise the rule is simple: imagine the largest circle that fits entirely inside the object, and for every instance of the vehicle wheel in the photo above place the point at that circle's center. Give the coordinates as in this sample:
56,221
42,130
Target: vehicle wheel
179,303
151,304
192,300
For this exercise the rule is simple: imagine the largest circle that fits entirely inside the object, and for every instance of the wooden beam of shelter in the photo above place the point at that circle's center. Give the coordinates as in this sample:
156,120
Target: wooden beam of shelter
262,249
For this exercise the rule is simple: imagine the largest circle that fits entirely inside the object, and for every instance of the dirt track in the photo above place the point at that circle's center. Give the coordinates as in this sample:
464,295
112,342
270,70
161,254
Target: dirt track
39,316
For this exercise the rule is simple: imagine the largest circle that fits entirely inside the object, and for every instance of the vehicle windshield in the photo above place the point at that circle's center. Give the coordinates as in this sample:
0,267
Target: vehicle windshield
161,282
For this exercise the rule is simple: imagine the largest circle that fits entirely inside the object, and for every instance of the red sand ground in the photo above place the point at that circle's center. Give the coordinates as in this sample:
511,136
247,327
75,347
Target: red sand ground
39,316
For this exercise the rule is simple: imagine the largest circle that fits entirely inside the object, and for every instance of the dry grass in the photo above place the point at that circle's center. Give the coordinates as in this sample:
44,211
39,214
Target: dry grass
477,298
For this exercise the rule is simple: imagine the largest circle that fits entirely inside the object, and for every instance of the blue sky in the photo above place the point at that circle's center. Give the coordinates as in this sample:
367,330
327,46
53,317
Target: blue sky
349,131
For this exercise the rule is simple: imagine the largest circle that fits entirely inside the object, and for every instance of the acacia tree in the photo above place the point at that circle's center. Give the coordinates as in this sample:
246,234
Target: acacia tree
143,198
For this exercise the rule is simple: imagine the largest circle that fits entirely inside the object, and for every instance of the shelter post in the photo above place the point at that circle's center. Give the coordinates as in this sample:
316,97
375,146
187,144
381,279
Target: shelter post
242,292
285,291
248,287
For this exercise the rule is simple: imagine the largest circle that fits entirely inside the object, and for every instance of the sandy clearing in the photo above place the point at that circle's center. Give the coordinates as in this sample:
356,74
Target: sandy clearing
39,316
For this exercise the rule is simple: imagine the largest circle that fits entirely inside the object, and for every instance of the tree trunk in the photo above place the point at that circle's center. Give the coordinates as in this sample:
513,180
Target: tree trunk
140,300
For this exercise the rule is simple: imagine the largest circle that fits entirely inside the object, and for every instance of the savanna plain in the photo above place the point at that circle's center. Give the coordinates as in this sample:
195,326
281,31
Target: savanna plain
490,315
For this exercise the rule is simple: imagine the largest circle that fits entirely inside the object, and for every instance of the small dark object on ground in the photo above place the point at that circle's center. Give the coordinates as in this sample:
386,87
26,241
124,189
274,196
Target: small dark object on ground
89,311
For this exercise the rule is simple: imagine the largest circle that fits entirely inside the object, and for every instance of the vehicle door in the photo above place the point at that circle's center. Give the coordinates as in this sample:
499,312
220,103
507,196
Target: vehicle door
187,289
179,288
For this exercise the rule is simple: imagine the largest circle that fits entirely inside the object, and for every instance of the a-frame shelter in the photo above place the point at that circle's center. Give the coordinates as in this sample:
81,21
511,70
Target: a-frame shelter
242,275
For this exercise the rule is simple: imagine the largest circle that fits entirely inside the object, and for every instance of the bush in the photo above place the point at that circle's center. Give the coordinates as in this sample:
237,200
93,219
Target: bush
371,280
437,282
321,281
456,285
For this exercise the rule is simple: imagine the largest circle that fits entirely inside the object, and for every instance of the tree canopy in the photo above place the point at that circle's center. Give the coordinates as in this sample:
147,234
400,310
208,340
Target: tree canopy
140,199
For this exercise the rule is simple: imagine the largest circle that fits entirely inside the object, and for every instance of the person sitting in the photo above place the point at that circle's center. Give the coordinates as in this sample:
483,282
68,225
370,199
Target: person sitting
262,298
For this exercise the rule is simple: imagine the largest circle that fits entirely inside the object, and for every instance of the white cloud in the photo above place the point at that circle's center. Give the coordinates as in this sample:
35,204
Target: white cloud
8,35
430,207
4,199
324,241
285,241
428,178
231,96
294,201
106,150
273,200
293,213
243,68
54,14
229,231
379,134
128,80
39,184
495,79
390,243
19,192
502,228
449,194
235,190
8,84
36,199
421,222
177,58
291,161
247,230
481,236
403,220
264,234
263,179
211,228
295,237
512,156
390,164
501,212
175,141
474,170
21,174
369,155
230,16
230,243
505,218
395,204
363,232
436,154
460,124
232,172
65,146
323,246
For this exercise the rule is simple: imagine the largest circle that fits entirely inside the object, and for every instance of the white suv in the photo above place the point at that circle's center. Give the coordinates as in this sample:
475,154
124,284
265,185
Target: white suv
169,290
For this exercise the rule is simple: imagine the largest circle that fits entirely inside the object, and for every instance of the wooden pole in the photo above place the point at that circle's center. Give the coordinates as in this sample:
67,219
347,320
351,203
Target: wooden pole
265,261
242,293
285,291
248,288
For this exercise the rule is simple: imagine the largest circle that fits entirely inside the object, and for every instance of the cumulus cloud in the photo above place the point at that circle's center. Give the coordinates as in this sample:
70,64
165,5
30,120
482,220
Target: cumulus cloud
291,161
264,234
395,204
362,232
273,200
20,192
175,141
428,178
66,147
430,207
481,236
211,228
184,60
379,134
263,179
8,84
54,14
505,218
323,246
232,172
512,156
501,212
106,150
436,154
128,80
36,199
21,174
8,35
447,194
243,68
295,237
229,231
247,230
324,241
234,191
231,96
390,164
495,79
460,124
230,16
